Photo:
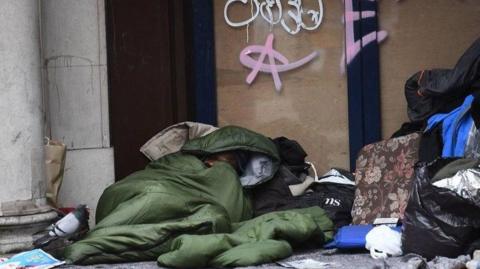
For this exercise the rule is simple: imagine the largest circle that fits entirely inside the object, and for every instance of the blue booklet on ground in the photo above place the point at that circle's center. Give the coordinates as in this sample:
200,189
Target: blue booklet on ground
35,259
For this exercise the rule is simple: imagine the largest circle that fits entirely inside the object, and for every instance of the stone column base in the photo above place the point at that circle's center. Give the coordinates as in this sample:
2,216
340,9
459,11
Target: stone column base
17,232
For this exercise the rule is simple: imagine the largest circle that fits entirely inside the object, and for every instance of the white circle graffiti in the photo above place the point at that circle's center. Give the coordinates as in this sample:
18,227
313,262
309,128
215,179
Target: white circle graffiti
265,9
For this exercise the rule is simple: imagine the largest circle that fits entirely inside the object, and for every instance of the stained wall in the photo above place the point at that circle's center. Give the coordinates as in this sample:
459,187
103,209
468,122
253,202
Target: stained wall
423,34
73,44
312,107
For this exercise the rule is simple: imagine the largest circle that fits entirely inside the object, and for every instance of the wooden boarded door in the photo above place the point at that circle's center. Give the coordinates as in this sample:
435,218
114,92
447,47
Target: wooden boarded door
147,79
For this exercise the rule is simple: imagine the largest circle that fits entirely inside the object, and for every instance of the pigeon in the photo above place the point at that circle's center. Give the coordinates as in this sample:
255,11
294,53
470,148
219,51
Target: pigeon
66,227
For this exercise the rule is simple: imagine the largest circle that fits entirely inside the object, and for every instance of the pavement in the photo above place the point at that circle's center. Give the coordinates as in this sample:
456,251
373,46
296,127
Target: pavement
326,259
331,258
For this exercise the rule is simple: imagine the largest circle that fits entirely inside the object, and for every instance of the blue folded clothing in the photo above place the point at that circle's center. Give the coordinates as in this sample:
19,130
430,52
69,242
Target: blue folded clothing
352,237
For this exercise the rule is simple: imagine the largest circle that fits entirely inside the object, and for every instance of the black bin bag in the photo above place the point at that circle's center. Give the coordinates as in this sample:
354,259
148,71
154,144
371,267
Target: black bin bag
438,221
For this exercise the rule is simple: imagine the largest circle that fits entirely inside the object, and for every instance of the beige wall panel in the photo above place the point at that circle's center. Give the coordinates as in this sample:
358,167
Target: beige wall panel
423,34
312,107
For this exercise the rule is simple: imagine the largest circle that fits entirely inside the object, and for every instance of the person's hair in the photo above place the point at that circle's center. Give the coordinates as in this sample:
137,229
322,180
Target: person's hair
236,158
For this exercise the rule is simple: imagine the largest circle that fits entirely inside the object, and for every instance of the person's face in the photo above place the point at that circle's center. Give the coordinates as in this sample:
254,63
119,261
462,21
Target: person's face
227,157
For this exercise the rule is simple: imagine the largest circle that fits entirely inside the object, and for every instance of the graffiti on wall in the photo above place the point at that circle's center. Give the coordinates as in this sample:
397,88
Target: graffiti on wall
270,67
272,12
352,46
267,9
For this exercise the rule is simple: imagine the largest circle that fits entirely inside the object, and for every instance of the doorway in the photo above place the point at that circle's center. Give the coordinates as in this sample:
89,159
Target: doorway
150,82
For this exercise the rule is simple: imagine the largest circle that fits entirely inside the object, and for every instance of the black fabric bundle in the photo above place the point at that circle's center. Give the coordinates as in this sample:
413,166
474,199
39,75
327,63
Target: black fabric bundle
440,90
336,199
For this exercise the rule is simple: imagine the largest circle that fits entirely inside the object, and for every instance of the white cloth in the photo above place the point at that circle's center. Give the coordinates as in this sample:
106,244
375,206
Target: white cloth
382,242
258,169
334,176
172,138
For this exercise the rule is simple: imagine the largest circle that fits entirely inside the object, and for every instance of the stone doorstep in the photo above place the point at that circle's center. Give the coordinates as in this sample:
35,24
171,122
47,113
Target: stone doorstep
17,233
28,207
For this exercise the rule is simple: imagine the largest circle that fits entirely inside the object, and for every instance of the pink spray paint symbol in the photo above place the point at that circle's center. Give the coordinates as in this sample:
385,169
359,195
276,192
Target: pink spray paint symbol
271,67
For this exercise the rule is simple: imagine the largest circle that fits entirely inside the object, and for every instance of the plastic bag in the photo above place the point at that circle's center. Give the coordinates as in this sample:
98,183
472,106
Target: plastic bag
438,221
465,183
383,242
472,147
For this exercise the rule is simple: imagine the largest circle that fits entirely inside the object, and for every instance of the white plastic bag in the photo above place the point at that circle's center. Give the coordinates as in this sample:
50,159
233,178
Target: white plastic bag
383,242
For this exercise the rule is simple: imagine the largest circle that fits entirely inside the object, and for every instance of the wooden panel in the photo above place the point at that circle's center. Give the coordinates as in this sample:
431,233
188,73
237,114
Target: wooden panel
422,35
313,105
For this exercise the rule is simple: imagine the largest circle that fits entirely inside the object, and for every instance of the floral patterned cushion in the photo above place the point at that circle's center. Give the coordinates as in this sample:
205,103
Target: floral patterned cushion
384,173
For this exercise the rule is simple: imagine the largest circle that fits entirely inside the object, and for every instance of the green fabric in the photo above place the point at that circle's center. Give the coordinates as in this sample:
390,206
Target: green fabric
263,239
233,138
452,168
187,215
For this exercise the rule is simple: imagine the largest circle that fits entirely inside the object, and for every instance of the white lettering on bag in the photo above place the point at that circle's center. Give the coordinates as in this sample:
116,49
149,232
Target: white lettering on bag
332,201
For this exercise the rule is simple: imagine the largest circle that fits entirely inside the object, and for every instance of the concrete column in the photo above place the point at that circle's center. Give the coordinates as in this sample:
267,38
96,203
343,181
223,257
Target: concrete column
23,209
75,73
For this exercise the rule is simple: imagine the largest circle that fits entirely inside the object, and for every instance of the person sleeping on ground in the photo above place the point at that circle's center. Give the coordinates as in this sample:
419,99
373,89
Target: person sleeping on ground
191,209
236,159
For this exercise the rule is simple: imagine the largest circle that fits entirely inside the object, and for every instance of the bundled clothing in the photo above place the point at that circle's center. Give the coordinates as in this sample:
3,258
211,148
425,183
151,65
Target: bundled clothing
441,215
452,134
172,138
455,128
440,90
445,104
292,187
185,214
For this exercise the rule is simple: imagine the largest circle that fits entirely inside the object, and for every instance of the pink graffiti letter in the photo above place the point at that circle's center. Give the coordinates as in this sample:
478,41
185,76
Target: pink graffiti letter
273,68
